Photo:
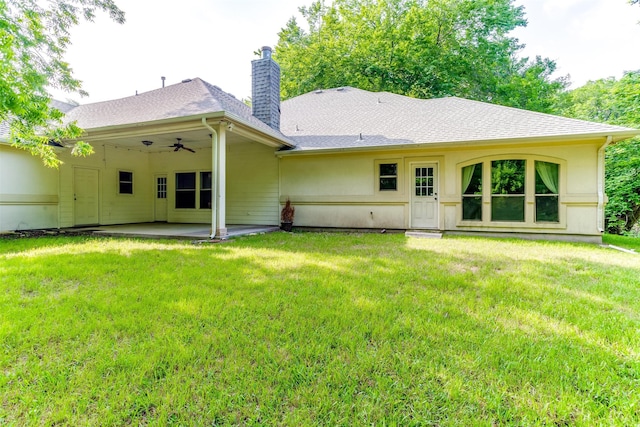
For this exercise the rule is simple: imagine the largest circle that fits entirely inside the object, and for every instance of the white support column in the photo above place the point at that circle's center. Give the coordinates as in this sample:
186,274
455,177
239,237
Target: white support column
221,172
214,178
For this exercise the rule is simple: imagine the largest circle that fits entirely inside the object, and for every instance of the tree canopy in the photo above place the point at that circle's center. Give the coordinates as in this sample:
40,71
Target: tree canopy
418,48
34,36
616,102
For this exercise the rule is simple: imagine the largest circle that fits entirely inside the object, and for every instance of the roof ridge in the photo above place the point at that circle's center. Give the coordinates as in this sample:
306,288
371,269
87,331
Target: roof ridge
144,94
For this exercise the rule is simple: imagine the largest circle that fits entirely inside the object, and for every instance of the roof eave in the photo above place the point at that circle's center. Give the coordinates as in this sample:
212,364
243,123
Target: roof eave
616,137
191,122
273,134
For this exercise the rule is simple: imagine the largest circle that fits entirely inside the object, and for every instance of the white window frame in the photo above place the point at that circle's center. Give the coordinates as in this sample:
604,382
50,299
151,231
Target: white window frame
120,182
398,176
197,189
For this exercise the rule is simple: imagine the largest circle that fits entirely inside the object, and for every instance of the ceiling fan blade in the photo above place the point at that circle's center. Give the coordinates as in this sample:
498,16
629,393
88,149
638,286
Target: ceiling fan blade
189,149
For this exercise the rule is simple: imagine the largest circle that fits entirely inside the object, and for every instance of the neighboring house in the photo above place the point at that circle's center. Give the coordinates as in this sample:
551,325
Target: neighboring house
347,158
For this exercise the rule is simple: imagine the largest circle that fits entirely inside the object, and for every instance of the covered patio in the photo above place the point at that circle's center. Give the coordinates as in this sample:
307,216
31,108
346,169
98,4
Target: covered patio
185,154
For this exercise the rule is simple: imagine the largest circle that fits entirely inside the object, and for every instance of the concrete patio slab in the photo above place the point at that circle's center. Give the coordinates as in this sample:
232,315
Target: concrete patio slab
162,230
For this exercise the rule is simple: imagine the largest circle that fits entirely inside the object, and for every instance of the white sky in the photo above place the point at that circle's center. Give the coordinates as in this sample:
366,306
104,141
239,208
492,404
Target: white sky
215,40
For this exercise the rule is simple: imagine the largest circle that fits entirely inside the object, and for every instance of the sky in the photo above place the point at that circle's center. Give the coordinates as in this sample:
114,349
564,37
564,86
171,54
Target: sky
216,40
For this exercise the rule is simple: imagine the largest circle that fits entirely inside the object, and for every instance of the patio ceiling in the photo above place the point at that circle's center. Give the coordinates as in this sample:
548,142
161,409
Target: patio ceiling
197,140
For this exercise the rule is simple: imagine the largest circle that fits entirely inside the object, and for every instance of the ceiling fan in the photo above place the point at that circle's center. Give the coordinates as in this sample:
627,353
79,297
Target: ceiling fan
178,146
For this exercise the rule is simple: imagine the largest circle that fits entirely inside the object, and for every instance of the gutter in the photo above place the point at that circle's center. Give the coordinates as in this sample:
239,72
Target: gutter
573,138
601,193
214,178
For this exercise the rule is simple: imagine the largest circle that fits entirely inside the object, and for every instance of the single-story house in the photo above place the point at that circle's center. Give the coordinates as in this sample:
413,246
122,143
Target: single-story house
345,157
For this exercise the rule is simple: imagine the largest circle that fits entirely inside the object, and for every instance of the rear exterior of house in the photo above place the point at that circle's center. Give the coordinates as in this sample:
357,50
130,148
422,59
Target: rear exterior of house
346,158
187,153
29,192
450,190
119,185
379,160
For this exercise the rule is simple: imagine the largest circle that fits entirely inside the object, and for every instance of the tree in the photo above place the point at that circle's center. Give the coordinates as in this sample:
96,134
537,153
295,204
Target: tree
616,102
34,36
418,48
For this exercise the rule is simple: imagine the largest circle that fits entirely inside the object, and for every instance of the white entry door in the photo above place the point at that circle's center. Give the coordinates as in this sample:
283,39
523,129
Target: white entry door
160,198
424,196
86,196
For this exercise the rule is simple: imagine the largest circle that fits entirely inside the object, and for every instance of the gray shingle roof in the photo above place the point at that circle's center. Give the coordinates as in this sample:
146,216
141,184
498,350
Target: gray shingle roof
65,107
335,118
189,98
4,131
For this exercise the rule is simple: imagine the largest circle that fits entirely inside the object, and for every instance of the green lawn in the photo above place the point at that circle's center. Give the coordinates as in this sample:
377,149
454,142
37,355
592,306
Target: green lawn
625,242
318,329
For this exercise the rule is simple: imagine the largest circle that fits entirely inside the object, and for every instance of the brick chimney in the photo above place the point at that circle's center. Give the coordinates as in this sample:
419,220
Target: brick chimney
265,91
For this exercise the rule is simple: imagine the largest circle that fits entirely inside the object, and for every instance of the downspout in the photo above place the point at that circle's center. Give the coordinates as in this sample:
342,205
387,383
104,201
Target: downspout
214,178
601,193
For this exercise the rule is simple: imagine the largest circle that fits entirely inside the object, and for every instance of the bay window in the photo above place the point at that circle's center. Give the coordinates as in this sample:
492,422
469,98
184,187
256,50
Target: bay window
523,190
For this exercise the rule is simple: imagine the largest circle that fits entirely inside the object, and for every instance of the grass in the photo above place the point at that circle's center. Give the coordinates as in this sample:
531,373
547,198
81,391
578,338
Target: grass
318,329
625,242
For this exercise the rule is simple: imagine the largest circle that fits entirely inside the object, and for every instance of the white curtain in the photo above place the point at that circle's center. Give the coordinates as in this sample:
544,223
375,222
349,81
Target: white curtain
467,174
549,174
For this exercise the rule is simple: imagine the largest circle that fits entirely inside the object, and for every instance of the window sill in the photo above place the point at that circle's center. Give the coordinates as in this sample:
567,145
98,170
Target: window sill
511,225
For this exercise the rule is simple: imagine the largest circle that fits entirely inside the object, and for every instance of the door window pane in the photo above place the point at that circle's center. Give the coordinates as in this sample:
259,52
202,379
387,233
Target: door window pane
424,182
161,187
